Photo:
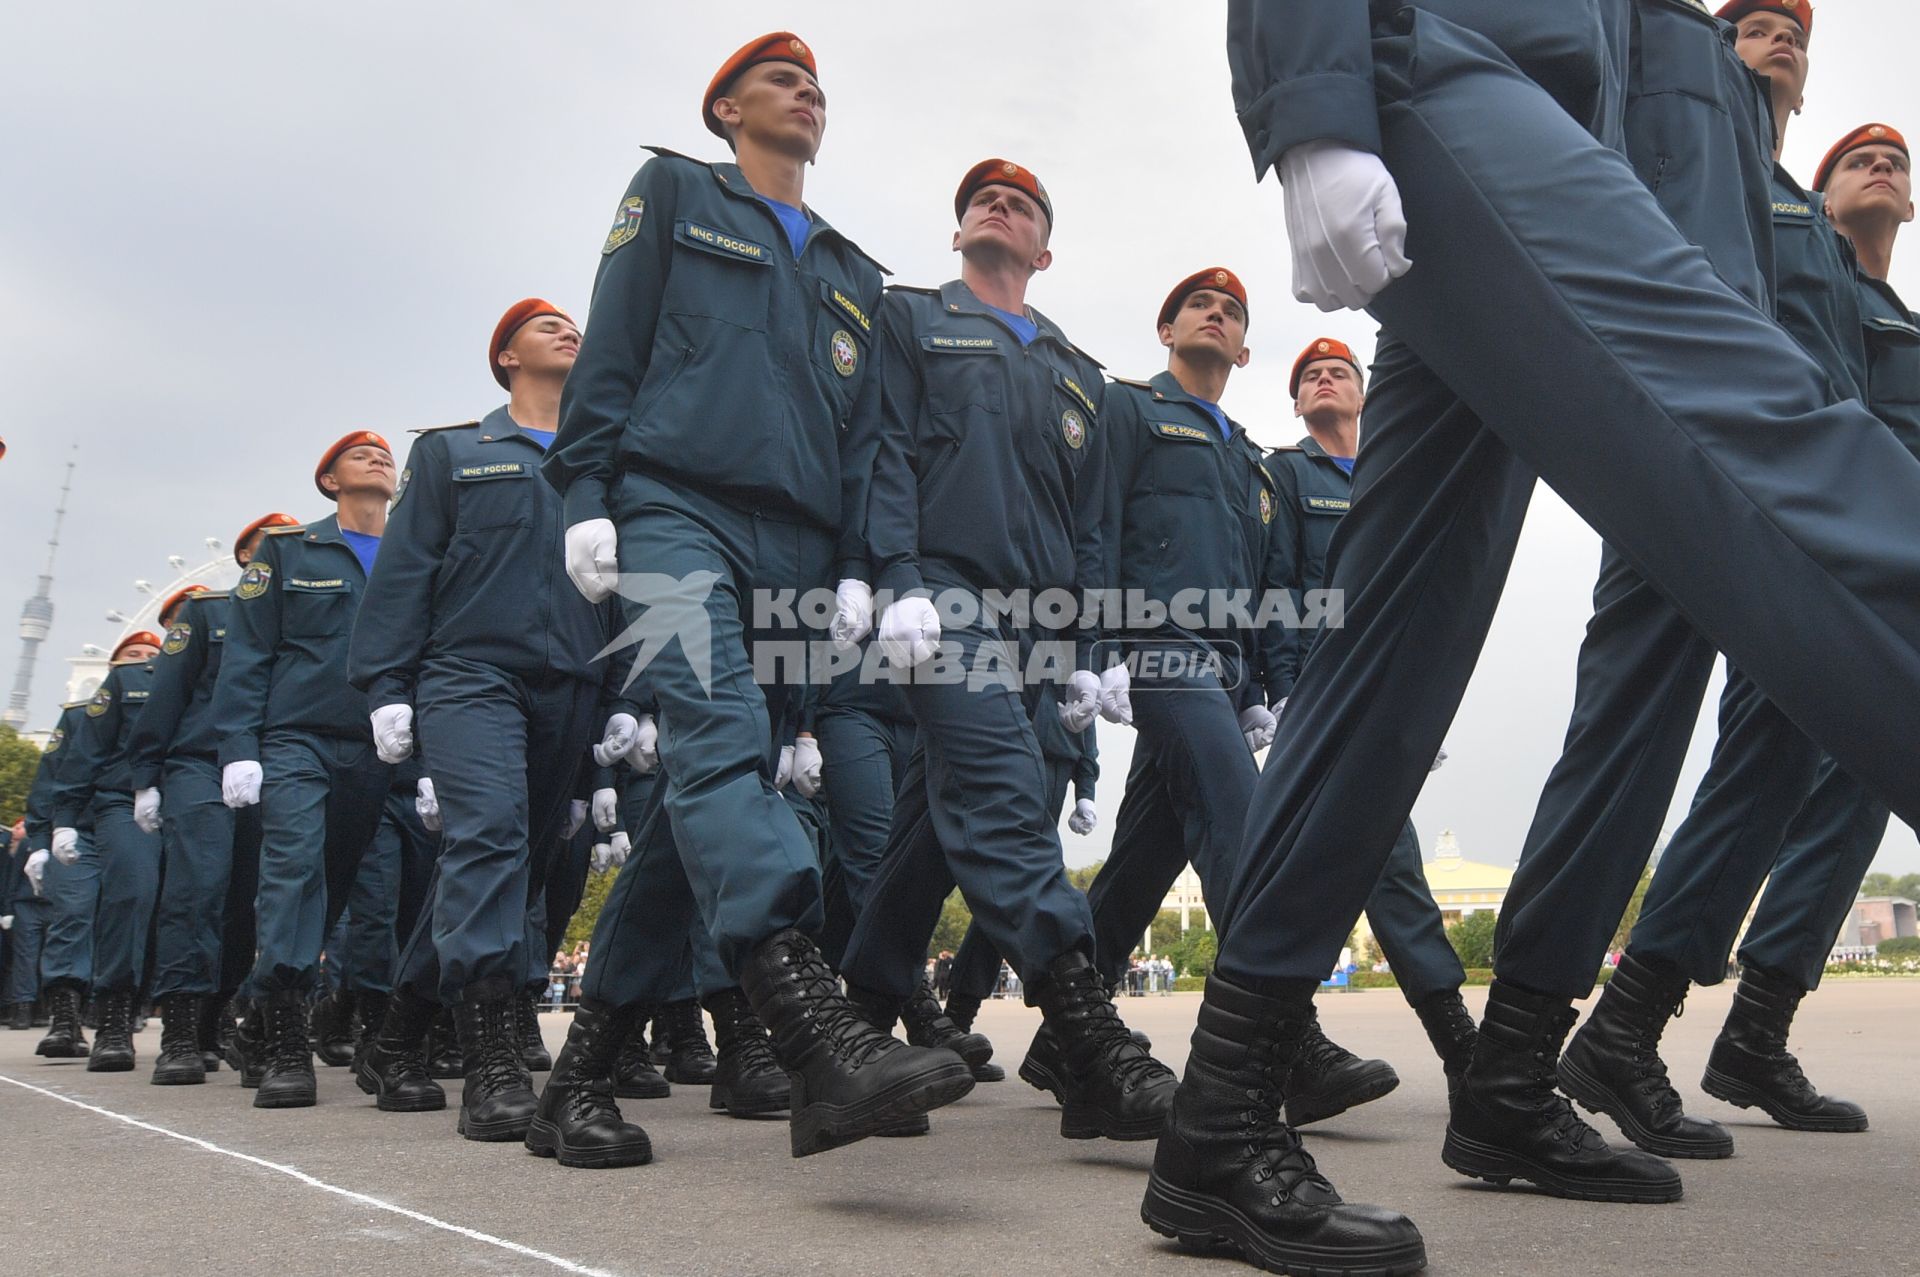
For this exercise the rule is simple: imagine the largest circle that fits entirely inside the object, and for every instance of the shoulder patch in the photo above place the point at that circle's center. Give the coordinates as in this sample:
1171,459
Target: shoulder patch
55,737
626,223
99,702
177,635
254,581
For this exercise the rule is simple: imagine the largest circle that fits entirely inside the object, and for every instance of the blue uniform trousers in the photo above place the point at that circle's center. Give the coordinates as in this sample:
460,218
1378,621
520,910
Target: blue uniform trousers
31,918
865,757
972,811
321,801
555,901
1703,432
504,754
197,850
753,869
129,889
74,891
239,932
976,967
363,949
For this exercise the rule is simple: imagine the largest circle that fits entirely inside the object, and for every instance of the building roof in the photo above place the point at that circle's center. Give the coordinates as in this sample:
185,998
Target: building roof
1450,871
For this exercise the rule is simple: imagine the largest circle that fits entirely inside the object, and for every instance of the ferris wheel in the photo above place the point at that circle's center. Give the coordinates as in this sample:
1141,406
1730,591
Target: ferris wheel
217,573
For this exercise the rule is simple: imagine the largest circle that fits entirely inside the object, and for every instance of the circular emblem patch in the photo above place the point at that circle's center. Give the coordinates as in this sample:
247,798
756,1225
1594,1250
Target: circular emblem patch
1323,348
1220,277
1009,168
799,50
1266,506
1073,427
1877,131
253,582
846,355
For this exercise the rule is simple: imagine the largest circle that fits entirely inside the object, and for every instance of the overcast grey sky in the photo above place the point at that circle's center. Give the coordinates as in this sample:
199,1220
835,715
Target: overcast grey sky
233,232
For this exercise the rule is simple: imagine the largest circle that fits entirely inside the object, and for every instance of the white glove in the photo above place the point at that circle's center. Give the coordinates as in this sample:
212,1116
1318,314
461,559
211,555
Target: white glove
644,757
621,732
240,784
806,766
1344,223
613,853
784,772
393,733
1116,696
852,613
1084,817
576,816
1438,759
1081,703
606,810
909,632
6,922
66,845
426,804
146,810
36,869
592,560
1257,724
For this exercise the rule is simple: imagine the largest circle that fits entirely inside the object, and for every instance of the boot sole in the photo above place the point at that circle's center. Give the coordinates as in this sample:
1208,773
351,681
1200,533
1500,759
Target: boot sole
61,1053
1081,1122
1593,1096
767,1107
1736,1092
496,1132
657,1092
1205,1223
989,1073
1371,1085
387,1104
196,1076
108,1064
817,1127
543,1140
1040,1078
684,1078
284,1100
1500,1167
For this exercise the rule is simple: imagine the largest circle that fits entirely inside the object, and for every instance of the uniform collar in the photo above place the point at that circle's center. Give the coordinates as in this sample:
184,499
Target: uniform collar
1312,448
324,532
499,426
1167,388
735,183
957,299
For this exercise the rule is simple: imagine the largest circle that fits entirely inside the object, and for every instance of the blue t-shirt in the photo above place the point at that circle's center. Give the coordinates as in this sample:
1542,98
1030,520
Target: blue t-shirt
1219,417
542,437
364,548
1345,463
798,224
1023,328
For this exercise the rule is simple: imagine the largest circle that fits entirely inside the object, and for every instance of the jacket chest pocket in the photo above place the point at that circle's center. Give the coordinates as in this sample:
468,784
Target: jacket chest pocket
316,607
1679,50
964,374
1066,425
842,330
497,494
1183,459
719,275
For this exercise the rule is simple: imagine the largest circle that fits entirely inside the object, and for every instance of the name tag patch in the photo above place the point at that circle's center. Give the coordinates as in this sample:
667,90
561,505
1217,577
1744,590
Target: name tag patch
1176,430
720,242
959,343
493,470
310,583
1327,505
852,308
1073,388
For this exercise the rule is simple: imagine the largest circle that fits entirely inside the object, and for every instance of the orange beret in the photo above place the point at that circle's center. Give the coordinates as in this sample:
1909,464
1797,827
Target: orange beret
517,314
998,172
1218,278
1321,348
138,636
1800,11
344,442
776,46
259,525
174,600
1865,135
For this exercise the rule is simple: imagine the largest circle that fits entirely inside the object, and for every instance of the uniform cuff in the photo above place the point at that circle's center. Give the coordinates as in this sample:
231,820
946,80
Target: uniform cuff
585,499
1335,107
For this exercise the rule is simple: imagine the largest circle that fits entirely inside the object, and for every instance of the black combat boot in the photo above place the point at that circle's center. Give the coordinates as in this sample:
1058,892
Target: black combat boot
497,1101
883,1011
928,1025
689,1055
533,1047
848,1079
372,1008
1750,1065
1509,1123
577,1121
393,1066
661,1036
179,1062
961,1010
246,1052
213,1030
443,1047
1450,1027
1328,1079
64,1040
1041,1067
1230,1172
1108,1085
113,1044
286,1077
20,1016
634,1074
330,1029
41,1015
747,1078
1613,1064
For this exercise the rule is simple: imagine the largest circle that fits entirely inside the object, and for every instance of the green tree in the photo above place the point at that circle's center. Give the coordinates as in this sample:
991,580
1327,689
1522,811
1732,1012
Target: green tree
580,929
1472,939
1083,876
955,918
1899,947
19,760
1193,953
1632,915
1880,884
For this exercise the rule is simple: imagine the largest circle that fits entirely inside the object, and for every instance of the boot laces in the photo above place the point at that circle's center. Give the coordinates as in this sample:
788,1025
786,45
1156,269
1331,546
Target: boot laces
854,1040
1281,1155
287,1046
687,1032
179,1030
1649,1069
1320,1053
498,1056
1110,1038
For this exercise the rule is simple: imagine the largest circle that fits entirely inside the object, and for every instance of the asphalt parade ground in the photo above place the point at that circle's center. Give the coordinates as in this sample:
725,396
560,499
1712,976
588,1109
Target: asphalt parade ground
106,1173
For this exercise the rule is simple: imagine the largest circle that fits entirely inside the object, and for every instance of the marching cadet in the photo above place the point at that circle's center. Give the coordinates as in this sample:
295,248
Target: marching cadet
1772,808
95,776
294,739
70,879
23,900
504,715
739,323
990,477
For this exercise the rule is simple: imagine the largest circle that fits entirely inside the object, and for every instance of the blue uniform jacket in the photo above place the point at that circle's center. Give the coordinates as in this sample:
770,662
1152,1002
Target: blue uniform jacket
1893,360
992,461
285,664
1314,494
714,359
473,564
97,752
1819,299
178,718
46,776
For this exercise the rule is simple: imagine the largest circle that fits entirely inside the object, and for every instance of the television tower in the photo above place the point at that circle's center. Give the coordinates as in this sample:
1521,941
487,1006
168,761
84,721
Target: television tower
36,619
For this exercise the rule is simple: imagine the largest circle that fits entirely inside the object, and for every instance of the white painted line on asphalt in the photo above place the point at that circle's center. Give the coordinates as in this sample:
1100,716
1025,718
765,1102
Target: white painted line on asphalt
473,1234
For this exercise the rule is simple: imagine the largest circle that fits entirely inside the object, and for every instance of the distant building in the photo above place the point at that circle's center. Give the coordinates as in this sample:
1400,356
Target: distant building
1461,886
1874,919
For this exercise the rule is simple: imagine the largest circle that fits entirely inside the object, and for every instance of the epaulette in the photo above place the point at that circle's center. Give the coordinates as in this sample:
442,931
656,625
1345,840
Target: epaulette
131,660
80,704
913,288
1129,381
451,425
670,154
1285,447
289,530
205,595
